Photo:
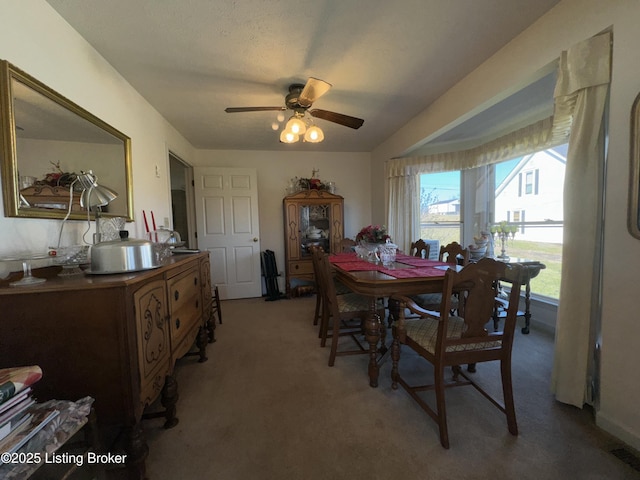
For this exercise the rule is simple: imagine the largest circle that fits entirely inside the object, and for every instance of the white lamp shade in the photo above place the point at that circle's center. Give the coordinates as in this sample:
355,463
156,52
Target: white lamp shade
314,135
296,126
288,137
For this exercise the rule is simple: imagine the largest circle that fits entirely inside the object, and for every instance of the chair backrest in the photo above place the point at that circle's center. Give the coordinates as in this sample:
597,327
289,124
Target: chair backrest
324,280
316,252
419,249
475,286
452,252
347,244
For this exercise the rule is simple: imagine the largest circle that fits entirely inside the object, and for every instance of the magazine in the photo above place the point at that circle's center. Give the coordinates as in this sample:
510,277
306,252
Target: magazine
15,379
21,435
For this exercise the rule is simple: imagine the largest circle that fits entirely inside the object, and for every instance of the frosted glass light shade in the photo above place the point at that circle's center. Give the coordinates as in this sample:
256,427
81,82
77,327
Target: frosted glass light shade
288,137
296,126
314,135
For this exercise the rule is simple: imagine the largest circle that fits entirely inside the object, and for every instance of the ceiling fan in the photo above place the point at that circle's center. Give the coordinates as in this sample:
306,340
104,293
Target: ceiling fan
300,99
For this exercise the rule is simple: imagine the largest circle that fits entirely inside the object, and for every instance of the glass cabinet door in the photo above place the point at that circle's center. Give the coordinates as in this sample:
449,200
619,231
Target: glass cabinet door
315,223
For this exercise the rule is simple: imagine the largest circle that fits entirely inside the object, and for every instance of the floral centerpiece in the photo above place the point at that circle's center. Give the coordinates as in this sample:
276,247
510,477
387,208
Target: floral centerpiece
373,234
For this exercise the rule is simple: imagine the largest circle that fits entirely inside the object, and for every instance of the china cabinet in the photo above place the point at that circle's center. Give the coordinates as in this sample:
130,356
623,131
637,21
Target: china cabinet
311,218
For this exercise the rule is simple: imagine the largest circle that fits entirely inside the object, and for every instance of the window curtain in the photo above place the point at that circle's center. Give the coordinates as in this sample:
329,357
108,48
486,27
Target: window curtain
581,92
403,217
403,221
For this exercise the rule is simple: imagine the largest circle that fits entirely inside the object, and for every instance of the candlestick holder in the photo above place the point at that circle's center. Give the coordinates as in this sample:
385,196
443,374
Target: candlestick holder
502,232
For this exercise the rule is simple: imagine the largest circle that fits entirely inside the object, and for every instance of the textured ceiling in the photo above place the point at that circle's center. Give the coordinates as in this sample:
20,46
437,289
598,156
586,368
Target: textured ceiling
387,61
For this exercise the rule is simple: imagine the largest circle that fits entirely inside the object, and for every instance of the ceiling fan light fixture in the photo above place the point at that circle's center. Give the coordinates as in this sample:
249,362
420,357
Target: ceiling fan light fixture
314,135
288,137
296,125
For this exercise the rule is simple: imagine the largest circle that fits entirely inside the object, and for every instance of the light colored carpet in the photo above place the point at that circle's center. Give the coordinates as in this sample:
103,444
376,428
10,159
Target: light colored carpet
266,406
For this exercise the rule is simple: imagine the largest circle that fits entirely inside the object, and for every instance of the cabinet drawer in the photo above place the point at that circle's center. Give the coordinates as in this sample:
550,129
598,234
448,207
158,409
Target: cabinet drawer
301,268
185,304
183,288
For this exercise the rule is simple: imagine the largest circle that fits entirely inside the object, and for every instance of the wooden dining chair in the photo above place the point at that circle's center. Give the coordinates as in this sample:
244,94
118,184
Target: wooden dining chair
341,289
447,340
347,245
419,249
454,254
341,315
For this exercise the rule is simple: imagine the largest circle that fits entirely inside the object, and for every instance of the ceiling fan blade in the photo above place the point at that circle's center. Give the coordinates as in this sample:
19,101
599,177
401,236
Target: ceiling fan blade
253,109
346,120
312,91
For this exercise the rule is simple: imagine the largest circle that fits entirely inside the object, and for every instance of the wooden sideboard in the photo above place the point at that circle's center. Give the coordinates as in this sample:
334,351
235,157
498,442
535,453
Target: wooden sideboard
113,337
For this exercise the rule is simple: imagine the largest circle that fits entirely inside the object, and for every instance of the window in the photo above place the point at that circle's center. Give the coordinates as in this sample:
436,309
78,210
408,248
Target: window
530,182
440,207
528,192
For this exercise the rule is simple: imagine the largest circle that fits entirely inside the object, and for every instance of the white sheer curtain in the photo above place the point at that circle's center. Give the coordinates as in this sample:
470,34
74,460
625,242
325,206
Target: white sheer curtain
582,90
404,211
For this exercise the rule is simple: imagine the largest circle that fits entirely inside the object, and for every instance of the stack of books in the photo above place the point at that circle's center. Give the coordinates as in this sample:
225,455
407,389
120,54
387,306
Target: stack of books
19,421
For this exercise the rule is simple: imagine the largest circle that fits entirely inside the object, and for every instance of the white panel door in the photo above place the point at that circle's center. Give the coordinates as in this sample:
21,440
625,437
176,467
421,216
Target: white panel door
227,222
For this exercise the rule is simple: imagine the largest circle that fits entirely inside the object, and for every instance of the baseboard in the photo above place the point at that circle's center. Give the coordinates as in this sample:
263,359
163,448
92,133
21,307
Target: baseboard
618,431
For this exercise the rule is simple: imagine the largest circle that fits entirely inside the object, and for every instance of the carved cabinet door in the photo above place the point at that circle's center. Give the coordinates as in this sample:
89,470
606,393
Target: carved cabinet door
153,334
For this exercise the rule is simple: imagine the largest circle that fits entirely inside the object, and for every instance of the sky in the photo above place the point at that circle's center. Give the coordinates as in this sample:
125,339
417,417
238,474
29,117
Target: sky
446,185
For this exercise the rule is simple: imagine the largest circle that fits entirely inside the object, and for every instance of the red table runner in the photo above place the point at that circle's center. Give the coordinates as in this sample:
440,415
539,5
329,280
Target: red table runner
356,265
413,272
418,262
349,263
343,257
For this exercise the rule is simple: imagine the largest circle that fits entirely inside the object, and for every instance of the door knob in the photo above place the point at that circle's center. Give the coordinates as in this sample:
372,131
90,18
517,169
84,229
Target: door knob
255,239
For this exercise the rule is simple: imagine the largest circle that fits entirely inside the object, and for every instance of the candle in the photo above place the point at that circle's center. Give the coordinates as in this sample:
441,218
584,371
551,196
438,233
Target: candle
146,224
153,222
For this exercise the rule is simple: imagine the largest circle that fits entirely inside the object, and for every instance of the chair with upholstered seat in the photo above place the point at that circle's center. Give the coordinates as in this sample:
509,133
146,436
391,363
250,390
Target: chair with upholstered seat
454,254
447,340
342,315
419,249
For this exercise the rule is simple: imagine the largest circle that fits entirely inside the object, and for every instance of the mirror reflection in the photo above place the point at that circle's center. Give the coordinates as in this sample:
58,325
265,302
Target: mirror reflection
48,141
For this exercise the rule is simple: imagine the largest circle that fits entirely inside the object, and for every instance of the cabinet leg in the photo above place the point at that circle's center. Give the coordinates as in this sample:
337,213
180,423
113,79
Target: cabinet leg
201,342
137,451
168,400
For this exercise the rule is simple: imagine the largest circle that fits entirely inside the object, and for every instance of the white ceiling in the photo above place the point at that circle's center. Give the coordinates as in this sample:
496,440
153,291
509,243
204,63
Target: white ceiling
387,60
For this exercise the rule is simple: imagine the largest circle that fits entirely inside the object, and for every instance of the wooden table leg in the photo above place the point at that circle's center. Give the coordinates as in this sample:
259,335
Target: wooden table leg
527,306
372,334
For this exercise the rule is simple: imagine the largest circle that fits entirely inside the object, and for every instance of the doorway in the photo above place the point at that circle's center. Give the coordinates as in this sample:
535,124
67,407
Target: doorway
182,200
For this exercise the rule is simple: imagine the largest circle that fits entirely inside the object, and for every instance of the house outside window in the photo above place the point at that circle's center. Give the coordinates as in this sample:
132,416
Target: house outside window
525,191
529,193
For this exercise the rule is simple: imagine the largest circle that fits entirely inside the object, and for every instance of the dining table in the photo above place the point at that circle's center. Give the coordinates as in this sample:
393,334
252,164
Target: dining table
406,276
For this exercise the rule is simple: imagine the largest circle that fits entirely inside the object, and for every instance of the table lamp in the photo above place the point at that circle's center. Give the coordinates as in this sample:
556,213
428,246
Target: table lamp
94,197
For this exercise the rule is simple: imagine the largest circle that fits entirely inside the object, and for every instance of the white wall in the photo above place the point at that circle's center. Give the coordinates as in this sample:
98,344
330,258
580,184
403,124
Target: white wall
349,171
570,22
37,40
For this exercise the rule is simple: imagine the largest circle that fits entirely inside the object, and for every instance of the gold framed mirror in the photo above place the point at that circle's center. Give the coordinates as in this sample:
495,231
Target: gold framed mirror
46,141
